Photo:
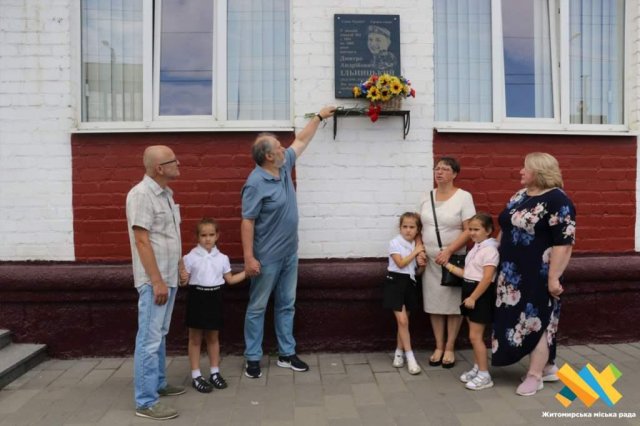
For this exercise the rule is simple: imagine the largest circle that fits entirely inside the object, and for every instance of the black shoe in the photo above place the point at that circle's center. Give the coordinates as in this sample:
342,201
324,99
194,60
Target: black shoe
292,362
252,369
201,385
217,381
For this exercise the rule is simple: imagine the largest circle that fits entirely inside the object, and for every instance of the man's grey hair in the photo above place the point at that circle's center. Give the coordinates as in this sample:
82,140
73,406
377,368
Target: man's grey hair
261,147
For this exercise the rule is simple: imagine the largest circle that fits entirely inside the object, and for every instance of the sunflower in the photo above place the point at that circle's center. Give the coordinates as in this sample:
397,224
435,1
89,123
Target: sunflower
373,94
384,80
385,94
395,86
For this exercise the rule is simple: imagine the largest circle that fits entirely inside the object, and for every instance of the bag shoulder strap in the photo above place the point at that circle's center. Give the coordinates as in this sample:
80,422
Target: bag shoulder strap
435,220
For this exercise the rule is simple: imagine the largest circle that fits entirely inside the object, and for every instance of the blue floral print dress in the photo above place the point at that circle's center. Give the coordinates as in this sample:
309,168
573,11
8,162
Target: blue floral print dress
531,226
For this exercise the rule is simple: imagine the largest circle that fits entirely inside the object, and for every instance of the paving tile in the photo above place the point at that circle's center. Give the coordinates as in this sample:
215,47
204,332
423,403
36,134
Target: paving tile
354,358
126,369
629,350
309,395
367,394
12,401
336,384
110,363
311,376
381,362
612,352
584,350
360,373
344,422
375,415
390,382
331,364
340,407
310,416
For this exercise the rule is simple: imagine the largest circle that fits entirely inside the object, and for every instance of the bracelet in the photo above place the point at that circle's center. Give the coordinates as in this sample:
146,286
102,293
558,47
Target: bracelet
320,117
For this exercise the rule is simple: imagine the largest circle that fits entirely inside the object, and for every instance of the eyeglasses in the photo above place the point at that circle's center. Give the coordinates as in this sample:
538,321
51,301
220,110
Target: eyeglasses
175,160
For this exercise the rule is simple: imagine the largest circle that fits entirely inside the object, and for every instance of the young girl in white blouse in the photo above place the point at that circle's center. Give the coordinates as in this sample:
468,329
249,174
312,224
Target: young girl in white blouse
206,270
400,292
478,295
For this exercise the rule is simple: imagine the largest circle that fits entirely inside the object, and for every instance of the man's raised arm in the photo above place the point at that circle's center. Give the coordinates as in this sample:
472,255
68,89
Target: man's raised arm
305,135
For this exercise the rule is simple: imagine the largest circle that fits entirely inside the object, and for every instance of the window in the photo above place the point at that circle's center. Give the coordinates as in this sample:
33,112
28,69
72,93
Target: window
557,64
185,63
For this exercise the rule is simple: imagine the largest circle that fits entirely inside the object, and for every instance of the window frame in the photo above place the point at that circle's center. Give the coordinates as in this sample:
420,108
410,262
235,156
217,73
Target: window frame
151,120
559,33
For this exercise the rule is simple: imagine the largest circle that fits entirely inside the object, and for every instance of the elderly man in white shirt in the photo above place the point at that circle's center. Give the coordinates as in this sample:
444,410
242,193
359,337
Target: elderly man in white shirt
153,221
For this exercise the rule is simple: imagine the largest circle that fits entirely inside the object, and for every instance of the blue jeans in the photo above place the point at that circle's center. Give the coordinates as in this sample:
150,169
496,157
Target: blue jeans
149,356
280,278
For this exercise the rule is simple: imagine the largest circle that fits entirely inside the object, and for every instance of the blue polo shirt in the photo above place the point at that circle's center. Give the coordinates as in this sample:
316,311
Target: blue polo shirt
271,202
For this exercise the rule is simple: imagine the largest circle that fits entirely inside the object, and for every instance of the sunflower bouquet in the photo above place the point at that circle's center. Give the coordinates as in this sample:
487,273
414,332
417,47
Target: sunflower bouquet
381,90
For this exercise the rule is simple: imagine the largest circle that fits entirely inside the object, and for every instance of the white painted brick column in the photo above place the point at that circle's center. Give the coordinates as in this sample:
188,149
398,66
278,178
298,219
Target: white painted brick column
36,114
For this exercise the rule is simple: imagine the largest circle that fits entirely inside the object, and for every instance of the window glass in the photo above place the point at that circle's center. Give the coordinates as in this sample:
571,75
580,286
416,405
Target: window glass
462,56
111,60
258,86
186,57
527,58
596,46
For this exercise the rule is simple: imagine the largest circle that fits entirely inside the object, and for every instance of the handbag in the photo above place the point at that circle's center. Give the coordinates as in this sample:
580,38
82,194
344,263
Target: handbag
448,279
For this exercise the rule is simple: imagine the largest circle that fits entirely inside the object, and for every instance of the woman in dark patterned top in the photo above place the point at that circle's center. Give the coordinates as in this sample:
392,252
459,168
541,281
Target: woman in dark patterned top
537,235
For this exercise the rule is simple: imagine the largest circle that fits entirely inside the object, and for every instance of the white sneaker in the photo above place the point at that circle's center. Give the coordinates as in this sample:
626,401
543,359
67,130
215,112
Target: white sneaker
413,367
479,383
398,361
467,376
550,373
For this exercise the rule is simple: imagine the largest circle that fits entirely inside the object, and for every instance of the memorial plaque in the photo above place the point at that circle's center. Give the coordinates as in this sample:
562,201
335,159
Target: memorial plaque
364,45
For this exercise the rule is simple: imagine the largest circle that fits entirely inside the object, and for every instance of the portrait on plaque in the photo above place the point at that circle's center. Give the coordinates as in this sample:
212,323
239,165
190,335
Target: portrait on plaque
364,45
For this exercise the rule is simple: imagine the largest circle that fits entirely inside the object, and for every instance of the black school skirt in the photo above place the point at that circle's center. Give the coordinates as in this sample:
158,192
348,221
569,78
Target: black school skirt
482,313
204,307
398,290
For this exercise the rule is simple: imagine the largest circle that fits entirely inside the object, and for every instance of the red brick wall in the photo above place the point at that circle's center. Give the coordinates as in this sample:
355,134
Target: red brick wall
213,168
599,175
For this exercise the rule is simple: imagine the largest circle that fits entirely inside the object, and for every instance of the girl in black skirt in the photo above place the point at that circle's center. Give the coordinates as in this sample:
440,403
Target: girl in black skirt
400,291
478,295
206,271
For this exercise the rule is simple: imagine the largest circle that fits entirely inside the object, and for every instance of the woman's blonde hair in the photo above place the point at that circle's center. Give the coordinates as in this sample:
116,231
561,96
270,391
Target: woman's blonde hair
546,169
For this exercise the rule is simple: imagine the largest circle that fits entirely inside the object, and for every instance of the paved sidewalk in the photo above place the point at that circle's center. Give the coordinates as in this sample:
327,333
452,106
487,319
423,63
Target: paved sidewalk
340,389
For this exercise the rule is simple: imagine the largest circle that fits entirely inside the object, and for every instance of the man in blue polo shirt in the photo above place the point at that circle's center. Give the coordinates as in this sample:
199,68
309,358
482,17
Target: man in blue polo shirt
269,232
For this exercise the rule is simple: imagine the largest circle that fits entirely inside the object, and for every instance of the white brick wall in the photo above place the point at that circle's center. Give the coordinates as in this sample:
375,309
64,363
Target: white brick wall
35,117
633,79
352,190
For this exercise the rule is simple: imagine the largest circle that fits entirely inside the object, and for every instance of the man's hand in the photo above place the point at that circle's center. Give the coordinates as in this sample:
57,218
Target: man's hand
160,292
327,112
252,267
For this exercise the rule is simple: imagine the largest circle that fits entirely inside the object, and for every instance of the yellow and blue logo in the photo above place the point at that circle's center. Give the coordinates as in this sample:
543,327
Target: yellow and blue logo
588,385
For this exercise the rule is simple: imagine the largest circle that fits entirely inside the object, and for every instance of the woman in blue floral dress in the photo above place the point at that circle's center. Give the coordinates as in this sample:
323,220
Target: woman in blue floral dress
537,236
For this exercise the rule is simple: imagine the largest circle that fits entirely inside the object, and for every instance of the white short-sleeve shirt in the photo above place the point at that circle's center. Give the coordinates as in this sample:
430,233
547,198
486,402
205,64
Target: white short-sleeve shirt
404,248
206,269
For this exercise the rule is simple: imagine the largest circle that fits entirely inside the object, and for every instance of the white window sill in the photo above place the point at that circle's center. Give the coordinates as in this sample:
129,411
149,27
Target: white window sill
184,126
540,129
